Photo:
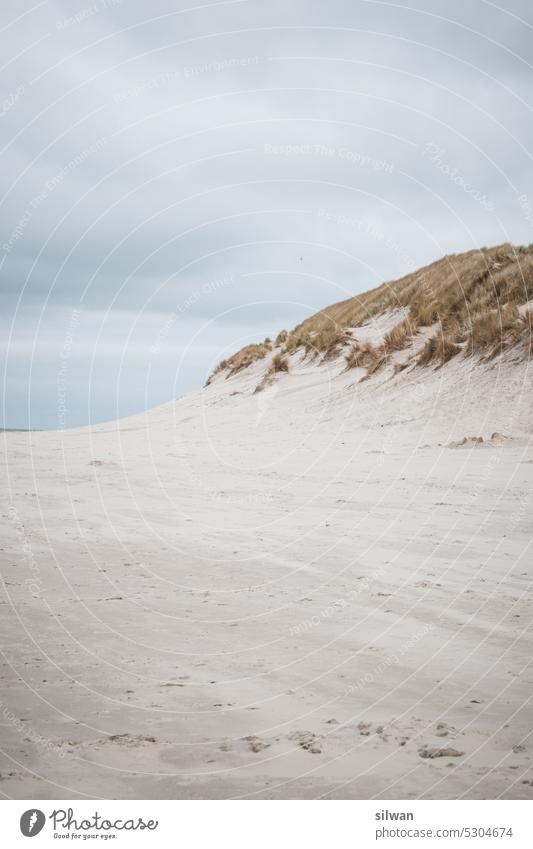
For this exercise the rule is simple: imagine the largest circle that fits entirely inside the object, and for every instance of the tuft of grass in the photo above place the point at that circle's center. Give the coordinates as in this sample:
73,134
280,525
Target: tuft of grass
400,335
223,364
378,363
424,313
526,322
279,363
495,330
243,358
365,355
438,349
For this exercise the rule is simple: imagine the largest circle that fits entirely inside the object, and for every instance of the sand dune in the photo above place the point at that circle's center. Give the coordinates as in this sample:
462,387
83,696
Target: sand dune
306,592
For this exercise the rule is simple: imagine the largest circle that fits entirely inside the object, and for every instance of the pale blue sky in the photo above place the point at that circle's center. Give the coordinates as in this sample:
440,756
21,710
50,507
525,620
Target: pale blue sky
176,184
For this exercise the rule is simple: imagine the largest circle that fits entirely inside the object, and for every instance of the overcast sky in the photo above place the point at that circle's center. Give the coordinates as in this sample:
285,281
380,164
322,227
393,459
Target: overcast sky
176,183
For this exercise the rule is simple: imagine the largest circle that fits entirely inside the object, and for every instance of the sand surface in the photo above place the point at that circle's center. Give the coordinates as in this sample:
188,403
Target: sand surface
314,591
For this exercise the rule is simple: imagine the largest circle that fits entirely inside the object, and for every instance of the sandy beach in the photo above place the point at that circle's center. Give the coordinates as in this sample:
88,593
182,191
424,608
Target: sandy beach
316,591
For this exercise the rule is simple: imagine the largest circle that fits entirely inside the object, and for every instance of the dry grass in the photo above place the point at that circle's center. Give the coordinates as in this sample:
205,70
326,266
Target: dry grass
494,330
365,355
279,363
527,329
375,366
473,296
242,359
450,290
438,349
324,341
400,335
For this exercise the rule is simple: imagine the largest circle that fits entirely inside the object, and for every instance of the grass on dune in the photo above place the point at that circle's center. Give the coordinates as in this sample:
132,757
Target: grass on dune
473,298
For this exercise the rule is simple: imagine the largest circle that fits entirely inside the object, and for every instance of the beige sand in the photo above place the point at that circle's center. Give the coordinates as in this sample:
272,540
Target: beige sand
299,593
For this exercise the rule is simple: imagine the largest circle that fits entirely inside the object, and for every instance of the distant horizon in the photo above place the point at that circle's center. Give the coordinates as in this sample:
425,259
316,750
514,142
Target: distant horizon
253,336
177,184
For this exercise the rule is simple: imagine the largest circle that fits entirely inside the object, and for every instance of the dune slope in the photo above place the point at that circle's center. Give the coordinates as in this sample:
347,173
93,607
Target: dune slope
318,589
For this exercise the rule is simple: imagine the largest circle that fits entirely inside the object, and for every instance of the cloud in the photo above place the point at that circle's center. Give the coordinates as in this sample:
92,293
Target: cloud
148,153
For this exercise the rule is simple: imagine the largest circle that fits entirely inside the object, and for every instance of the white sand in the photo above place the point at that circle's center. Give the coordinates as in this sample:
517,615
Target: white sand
287,594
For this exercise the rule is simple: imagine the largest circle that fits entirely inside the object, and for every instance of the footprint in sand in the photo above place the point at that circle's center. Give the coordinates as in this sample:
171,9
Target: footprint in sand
308,741
436,752
255,744
130,739
101,463
443,730
380,731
